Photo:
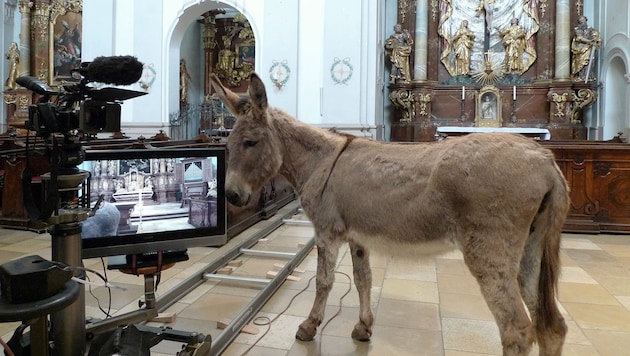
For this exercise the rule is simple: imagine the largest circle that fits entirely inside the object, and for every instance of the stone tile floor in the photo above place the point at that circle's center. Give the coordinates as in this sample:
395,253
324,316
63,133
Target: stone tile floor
424,307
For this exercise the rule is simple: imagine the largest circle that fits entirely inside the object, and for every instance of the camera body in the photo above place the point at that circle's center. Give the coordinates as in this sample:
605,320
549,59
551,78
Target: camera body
78,107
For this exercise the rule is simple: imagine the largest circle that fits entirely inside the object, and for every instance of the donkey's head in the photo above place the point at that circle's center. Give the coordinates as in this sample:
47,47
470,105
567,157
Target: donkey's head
254,154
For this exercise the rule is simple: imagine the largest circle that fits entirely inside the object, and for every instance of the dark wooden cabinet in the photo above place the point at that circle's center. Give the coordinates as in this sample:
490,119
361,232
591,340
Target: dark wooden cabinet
598,174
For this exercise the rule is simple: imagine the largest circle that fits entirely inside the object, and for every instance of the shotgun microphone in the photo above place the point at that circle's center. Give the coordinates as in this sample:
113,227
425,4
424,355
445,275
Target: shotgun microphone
35,85
117,70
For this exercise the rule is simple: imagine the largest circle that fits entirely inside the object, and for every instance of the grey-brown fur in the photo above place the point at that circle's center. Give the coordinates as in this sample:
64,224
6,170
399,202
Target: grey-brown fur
499,198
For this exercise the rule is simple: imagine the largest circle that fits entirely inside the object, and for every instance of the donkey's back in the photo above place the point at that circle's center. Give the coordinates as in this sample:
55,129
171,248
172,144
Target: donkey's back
452,190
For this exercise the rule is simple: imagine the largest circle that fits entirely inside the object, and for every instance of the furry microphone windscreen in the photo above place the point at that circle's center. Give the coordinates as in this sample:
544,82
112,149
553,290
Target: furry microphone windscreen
118,70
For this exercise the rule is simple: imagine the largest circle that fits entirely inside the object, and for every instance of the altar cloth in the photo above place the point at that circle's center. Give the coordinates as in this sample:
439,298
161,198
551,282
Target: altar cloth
543,134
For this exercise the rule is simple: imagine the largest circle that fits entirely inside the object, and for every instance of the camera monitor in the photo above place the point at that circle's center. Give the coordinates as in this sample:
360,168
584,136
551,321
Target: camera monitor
155,200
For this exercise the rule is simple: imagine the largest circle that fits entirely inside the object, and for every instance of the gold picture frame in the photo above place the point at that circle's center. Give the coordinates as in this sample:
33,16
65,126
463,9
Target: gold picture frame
245,54
488,111
65,29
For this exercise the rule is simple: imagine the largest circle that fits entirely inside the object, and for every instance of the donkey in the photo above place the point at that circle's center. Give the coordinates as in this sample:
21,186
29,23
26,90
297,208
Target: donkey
499,198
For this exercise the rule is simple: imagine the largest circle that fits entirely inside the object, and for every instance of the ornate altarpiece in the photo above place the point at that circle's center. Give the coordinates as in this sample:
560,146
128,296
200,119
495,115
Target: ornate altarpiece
48,30
538,95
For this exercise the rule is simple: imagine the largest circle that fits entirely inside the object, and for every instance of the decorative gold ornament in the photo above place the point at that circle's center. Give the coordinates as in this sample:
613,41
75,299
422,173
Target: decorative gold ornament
582,99
434,9
236,65
560,101
404,100
490,72
402,9
543,8
10,98
424,100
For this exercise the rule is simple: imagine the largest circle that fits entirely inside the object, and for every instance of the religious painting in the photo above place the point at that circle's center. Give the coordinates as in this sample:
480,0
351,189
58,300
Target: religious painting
66,30
488,113
246,53
491,26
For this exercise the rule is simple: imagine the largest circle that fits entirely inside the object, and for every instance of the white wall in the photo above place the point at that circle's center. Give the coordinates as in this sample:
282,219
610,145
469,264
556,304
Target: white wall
613,106
308,35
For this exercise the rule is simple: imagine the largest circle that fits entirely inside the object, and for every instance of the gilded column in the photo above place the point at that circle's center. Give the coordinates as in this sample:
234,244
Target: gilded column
563,40
40,41
421,51
25,38
208,36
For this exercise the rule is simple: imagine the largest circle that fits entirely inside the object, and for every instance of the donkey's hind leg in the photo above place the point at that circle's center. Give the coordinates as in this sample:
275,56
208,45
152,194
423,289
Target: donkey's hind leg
496,272
550,337
327,251
363,281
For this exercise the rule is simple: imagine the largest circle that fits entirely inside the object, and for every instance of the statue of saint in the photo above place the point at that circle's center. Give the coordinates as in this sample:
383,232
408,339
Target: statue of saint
13,55
514,43
462,46
585,42
399,47
184,80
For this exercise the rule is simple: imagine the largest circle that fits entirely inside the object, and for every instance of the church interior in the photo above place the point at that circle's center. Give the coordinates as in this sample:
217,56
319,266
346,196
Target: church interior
113,160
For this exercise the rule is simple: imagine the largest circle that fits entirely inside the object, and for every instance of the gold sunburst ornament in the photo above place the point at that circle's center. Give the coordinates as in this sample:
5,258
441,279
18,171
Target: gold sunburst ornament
490,72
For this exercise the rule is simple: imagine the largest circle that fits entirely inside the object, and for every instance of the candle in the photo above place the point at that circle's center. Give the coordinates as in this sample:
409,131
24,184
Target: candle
463,92
514,92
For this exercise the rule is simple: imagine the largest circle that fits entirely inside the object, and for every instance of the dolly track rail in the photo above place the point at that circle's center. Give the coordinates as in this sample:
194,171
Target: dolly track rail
228,252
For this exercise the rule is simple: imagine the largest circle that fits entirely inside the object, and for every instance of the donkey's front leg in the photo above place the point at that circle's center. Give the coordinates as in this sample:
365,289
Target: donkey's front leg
327,251
363,281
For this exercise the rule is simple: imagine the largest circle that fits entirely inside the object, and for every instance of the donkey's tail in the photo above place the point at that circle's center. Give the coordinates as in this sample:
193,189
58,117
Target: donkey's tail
550,325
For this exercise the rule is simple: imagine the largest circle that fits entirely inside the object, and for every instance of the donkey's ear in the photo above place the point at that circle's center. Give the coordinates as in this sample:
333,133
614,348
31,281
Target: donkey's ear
257,93
235,104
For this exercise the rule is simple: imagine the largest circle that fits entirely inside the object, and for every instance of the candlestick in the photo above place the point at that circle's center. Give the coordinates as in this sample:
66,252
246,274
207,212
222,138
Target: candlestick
463,92
514,92
514,107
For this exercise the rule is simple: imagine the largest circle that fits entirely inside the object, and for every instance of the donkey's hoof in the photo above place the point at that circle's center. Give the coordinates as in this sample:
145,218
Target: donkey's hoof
306,331
361,332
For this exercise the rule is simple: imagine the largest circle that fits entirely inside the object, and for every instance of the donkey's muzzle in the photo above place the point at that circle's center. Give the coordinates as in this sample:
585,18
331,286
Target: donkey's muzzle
237,199
236,192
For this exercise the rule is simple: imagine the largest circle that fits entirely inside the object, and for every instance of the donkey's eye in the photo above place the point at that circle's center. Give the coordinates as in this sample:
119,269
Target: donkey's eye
249,143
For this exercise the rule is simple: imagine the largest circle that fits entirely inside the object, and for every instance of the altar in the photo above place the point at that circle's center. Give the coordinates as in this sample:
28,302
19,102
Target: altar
512,64
536,133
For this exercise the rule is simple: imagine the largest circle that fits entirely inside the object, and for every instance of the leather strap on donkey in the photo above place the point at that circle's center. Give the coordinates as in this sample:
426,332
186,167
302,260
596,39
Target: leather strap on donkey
349,138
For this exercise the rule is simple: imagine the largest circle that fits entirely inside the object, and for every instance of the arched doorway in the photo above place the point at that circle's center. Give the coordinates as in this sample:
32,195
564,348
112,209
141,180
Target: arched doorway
615,106
210,37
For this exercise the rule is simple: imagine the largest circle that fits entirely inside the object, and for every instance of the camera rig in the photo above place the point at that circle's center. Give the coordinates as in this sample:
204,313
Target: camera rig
64,118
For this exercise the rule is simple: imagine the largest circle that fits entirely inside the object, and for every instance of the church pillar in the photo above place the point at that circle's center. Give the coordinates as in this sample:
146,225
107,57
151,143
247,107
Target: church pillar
421,52
25,38
40,37
563,40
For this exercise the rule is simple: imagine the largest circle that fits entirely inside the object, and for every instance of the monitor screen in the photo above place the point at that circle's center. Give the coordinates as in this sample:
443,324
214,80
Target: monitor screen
154,200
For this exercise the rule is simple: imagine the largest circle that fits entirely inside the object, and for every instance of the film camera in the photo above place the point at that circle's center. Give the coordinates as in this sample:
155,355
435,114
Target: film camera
64,117
81,106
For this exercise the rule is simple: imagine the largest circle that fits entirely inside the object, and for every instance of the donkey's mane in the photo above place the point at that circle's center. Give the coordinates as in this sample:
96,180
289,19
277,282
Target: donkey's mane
294,128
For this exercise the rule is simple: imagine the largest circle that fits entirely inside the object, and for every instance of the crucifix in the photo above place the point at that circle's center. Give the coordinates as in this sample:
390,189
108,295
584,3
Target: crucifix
486,7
